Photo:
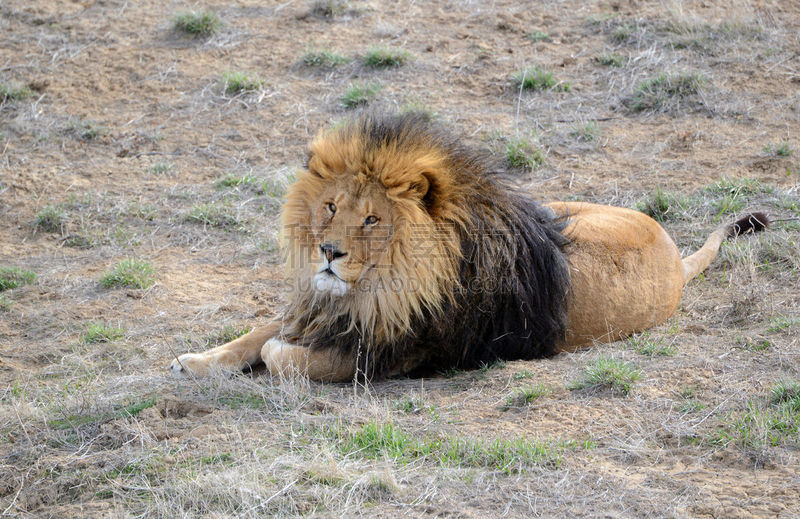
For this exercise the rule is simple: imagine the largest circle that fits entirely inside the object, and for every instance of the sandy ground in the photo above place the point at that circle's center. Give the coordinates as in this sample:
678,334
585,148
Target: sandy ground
125,129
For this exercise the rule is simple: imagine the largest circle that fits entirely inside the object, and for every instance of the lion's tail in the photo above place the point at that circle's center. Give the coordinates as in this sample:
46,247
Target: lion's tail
697,262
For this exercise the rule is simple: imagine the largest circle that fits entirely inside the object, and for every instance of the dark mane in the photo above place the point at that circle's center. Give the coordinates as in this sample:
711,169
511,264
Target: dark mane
510,298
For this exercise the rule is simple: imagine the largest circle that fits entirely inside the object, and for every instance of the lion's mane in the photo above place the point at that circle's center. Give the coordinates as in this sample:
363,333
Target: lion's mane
475,271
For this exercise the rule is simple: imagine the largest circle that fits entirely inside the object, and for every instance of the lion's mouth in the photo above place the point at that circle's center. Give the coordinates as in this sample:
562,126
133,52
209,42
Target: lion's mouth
328,281
327,270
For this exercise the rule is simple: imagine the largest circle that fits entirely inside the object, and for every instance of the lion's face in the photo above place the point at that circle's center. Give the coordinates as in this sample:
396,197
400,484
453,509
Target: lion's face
351,228
372,224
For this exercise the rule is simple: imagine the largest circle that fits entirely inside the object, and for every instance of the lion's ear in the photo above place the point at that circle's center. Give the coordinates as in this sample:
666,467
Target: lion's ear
426,189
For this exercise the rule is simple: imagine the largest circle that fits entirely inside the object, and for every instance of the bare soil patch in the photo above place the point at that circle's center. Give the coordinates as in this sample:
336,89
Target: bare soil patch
121,137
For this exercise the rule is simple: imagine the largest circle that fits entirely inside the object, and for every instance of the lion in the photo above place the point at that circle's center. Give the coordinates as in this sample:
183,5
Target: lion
408,253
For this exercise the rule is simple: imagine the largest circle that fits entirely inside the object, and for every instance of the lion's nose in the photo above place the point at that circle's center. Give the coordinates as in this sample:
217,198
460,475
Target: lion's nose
331,252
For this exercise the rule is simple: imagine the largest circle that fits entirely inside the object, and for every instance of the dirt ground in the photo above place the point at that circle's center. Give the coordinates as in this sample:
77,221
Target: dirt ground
119,138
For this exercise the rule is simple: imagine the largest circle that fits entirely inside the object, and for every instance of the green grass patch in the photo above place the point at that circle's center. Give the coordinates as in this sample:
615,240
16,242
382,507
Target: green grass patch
212,214
161,168
10,93
86,130
608,373
328,8
623,33
537,78
98,332
663,206
739,187
667,92
236,82
359,94
388,441
129,273
129,410
587,132
646,344
229,181
519,375
536,35
692,405
227,334
755,344
323,58
50,219
731,195
485,367
766,424
523,153
385,57
12,277
780,149
526,395
782,322
197,23
786,393
272,188
610,60
773,253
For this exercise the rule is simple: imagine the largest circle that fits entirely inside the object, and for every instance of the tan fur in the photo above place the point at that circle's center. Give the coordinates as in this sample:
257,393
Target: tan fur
626,273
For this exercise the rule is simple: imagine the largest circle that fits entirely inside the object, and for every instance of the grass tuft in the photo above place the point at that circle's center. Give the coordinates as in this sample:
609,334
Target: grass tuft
130,273
212,214
9,93
523,153
359,94
86,130
536,35
384,57
387,441
782,322
537,78
608,373
587,132
770,425
323,58
328,8
13,277
666,92
645,344
611,60
227,334
786,393
237,82
161,168
202,23
730,195
50,219
662,206
229,181
526,395
780,149
98,332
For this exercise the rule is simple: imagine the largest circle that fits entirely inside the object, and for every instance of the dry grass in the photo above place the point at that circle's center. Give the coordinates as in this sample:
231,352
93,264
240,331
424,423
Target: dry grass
119,141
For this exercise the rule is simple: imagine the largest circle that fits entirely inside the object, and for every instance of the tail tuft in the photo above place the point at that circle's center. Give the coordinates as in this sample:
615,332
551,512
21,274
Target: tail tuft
754,222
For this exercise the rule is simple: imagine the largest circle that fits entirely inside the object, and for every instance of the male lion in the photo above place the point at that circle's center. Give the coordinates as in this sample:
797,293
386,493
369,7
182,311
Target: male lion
408,254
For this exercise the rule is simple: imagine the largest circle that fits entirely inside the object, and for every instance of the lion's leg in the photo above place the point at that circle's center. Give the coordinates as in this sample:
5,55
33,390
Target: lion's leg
237,354
284,359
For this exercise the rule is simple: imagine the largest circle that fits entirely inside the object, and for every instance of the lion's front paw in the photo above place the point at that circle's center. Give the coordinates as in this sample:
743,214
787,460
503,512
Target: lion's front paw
197,363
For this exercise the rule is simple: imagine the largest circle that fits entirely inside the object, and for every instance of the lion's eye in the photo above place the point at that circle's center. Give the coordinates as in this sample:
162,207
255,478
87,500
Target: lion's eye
331,207
370,220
